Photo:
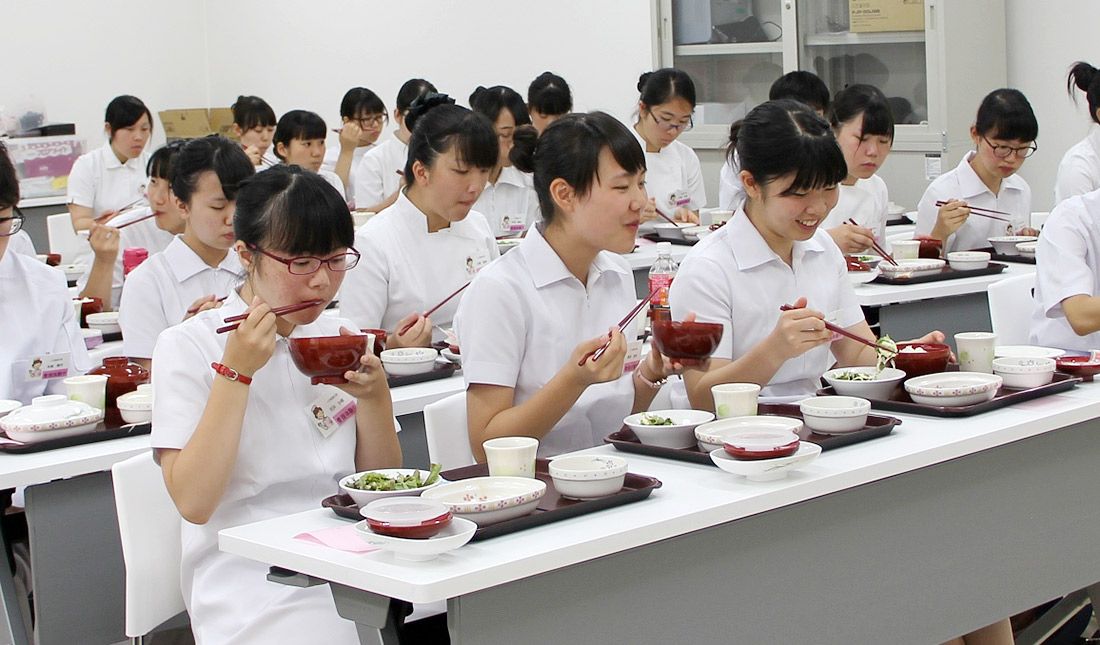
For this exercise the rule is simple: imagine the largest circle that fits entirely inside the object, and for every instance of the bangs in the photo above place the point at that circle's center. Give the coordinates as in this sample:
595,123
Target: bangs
625,149
293,211
233,167
474,142
878,120
300,124
160,162
262,118
1014,126
1005,114
820,162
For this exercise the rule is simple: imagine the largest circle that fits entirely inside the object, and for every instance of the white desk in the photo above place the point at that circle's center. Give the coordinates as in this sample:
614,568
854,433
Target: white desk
940,528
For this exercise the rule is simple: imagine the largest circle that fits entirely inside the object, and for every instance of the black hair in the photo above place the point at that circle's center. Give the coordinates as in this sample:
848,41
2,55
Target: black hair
549,94
570,149
360,100
868,100
9,183
1084,77
412,89
292,210
214,153
438,125
297,124
801,86
1005,114
784,137
160,162
252,112
664,85
490,101
124,111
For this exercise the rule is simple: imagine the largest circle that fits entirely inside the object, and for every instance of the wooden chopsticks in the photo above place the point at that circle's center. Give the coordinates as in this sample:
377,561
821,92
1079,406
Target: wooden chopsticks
844,332
622,323
432,310
878,249
981,212
278,311
140,219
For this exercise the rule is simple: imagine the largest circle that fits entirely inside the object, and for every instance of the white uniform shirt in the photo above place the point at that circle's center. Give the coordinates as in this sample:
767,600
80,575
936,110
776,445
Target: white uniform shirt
866,202
284,465
405,269
734,278
22,243
1079,171
511,205
36,319
101,182
332,155
520,321
963,183
159,292
1067,263
673,178
376,177
335,180
144,234
731,194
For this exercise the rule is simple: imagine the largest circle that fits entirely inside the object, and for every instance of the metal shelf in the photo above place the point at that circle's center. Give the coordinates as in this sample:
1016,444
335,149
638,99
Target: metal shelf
729,49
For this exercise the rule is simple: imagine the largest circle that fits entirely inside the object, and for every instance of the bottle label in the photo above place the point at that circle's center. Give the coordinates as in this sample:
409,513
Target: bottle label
664,281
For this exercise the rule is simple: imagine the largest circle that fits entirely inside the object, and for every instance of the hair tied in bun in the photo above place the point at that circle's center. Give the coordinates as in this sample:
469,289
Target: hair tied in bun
422,105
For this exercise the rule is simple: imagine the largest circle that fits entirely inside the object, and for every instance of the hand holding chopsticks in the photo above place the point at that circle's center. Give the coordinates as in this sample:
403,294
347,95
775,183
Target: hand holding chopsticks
622,325
983,212
844,332
429,312
878,249
278,311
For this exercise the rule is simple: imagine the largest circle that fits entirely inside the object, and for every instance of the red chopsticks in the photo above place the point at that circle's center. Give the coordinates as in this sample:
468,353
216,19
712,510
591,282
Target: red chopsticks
622,323
107,218
432,310
878,249
278,311
140,219
844,332
195,310
667,218
981,212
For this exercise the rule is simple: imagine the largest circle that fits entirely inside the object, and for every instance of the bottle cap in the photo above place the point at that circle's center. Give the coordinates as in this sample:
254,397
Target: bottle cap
664,247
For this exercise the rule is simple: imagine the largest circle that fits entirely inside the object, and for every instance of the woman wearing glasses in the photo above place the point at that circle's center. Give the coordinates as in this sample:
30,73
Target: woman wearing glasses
1004,135
235,430
197,269
363,114
674,179
508,201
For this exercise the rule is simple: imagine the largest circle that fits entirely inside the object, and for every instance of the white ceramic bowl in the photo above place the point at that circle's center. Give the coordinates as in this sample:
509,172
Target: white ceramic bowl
681,434
1026,351
1023,373
881,388
672,231
763,470
50,417
968,260
953,389
711,436
405,361
487,500
696,232
911,268
455,535
1006,244
106,322
718,216
862,277
1027,248
364,497
92,337
451,356
137,406
73,271
8,405
588,476
834,414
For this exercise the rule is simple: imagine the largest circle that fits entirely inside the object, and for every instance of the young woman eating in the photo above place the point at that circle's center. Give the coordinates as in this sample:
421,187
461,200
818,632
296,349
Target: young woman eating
508,201
233,420
430,243
300,141
254,125
362,114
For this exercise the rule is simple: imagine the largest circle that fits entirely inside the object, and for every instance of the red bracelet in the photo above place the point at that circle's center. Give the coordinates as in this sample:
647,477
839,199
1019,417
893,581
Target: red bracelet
231,374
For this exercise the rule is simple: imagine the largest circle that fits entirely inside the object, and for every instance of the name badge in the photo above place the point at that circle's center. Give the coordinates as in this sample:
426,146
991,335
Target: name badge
511,224
476,260
46,367
678,199
633,356
330,410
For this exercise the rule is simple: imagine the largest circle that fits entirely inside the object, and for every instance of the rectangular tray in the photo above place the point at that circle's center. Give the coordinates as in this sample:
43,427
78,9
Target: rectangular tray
946,274
1005,397
657,237
877,426
998,257
441,370
552,506
101,433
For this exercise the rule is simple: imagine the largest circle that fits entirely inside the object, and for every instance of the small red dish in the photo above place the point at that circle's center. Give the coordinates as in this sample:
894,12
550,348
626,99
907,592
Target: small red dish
89,306
1081,366
412,518
930,249
325,358
856,265
932,360
688,343
761,444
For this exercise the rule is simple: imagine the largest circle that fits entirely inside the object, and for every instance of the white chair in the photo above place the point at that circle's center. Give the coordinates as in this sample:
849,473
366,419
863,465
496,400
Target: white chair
1010,305
62,237
1038,220
150,529
445,430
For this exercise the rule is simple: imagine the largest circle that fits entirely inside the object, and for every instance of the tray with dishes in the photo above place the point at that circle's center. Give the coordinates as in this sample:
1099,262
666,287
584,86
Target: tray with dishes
921,271
102,432
439,370
551,505
1019,258
876,426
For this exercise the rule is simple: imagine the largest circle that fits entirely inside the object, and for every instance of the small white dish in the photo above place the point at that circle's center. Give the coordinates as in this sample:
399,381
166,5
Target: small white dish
712,436
50,417
1027,248
1023,373
670,231
881,388
364,497
696,232
763,470
1006,244
488,500
137,406
455,535
588,476
834,414
406,361
862,277
451,356
1026,351
681,434
953,389
106,322
911,268
968,260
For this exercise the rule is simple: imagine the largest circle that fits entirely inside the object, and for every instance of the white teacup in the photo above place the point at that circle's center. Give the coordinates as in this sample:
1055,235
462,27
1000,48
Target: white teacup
511,456
735,399
905,249
90,389
975,350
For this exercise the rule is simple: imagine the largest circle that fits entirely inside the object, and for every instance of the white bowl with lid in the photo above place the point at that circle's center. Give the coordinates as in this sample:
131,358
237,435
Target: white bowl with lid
953,389
968,260
137,406
712,436
105,321
911,268
1024,372
52,416
406,361
8,405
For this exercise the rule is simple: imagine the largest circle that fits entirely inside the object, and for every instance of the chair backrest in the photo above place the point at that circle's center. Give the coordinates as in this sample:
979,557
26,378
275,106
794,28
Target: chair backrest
150,528
62,237
445,429
1010,306
1038,220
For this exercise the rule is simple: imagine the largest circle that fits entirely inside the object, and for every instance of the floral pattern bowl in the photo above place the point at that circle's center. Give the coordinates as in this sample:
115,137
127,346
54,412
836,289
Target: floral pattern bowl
50,417
588,476
488,500
953,389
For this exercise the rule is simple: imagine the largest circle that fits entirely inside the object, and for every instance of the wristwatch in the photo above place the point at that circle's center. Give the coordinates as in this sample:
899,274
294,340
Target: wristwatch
231,374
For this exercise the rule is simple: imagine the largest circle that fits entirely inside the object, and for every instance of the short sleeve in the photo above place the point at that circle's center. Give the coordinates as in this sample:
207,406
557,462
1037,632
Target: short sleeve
491,330
141,313
927,211
1062,270
181,388
701,288
83,182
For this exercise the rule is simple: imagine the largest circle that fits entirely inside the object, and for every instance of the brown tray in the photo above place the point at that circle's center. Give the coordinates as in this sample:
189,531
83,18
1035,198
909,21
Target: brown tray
946,274
440,370
657,237
901,402
877,426
1000,257
552,506
101,433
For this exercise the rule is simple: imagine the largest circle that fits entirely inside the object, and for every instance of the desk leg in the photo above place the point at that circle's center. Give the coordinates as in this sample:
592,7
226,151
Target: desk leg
12,629
372,614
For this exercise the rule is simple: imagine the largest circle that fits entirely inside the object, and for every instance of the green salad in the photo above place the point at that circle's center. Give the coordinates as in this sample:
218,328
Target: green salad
379,481
887,350
656,420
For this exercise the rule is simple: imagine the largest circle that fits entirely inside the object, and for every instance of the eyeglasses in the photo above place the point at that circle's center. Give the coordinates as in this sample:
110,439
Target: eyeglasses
307,264
367,121
1002,152
668,126
12,225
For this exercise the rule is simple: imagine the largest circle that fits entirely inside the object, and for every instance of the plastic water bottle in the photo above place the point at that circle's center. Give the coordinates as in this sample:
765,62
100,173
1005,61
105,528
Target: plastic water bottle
661,275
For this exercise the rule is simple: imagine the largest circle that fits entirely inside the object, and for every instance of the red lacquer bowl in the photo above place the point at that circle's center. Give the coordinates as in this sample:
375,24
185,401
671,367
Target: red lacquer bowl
932,360
325,358
422,531
1082,366
751,445
379,339
689,343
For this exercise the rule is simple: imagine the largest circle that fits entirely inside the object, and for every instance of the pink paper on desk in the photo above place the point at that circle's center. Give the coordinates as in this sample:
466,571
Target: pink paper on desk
344,538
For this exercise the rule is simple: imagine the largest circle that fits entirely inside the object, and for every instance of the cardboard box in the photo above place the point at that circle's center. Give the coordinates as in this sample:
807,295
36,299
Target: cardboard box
42,164
886,15
199,122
